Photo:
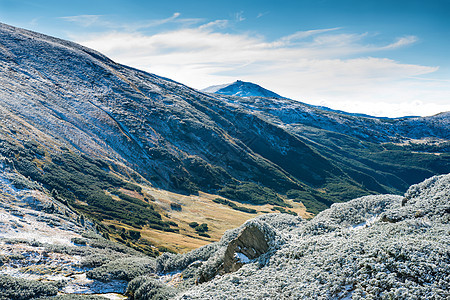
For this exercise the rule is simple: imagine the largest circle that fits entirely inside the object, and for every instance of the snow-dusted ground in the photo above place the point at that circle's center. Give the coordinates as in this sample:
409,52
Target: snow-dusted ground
369,222
36,243
23,216
369,248
83,285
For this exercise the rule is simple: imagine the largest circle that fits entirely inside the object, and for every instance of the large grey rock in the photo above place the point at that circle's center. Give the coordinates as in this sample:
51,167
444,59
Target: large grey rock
250,244
247,246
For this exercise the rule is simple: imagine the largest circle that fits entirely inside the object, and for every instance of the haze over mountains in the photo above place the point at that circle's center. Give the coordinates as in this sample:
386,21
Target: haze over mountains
104,140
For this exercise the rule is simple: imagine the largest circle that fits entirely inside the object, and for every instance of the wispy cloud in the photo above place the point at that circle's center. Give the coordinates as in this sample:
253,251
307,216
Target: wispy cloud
221,24
87,20
34,22
239,16
300,35
103,21
323,66
262,14
402,42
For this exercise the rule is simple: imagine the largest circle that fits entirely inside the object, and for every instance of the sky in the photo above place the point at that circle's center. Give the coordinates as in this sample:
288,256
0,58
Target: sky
382,58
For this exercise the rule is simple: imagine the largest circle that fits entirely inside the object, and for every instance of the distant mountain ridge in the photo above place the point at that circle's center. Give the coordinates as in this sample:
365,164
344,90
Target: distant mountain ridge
242,89
248,89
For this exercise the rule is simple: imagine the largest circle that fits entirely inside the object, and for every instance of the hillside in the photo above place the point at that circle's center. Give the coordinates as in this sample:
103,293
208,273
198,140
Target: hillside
180,139
108,140
380,247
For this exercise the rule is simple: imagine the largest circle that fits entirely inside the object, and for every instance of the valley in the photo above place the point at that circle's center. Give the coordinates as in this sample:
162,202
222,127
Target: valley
115,180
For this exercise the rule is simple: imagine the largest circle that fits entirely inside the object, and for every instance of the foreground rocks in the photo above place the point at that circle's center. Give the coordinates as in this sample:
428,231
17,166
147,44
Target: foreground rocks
250,244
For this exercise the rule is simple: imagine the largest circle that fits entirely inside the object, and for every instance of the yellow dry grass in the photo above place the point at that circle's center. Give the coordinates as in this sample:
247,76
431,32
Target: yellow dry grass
201,209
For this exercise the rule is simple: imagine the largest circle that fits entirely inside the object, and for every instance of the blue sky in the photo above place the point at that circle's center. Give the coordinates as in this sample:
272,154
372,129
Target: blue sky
385,58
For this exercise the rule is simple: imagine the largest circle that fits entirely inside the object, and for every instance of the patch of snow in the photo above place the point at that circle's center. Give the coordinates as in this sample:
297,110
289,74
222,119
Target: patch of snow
242,258
369,222
172,278
80,284
112,296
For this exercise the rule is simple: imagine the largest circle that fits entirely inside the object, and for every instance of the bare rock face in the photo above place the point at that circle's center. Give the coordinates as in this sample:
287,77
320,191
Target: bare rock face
250,244
247,246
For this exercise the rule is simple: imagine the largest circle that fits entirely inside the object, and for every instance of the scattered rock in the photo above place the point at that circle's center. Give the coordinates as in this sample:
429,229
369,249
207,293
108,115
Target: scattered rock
175,206
390,218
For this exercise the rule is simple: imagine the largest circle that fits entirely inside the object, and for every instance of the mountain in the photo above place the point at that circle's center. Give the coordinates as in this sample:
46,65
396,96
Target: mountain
241,89
104,167
65,105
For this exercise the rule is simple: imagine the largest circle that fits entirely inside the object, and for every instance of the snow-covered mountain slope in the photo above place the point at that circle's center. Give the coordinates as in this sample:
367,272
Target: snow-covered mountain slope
372,129
165,130
242,89
380,247
45,246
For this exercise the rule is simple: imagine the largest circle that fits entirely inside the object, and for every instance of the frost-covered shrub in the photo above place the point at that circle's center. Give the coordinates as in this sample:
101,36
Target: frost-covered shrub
125,269
99,257
70,250
348,251
79,241
428,200
146,288
170,262
358,210
97,241
16,288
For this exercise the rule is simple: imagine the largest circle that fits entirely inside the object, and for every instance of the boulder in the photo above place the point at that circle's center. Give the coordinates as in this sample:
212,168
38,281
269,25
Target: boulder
249,245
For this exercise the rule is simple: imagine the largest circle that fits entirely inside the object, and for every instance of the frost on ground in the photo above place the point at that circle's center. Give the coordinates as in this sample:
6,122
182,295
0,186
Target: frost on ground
38,243
400,251
374,247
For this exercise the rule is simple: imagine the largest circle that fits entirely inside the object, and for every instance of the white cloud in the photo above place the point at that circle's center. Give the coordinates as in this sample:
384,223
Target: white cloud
300,35
322,67
221,24
262,14
403,41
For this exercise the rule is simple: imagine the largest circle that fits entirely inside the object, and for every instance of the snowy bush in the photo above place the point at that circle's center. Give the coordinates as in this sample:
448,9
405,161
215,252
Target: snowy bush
348,251
147,288
125,269
16,288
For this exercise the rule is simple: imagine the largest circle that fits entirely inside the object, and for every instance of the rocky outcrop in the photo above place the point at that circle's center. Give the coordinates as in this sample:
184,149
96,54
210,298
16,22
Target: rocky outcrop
249,245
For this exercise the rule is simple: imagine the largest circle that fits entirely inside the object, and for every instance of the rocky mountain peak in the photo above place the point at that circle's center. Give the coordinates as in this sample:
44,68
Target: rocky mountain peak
242,89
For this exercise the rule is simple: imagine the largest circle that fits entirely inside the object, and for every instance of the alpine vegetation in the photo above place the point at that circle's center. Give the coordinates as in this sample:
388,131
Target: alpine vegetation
374,247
